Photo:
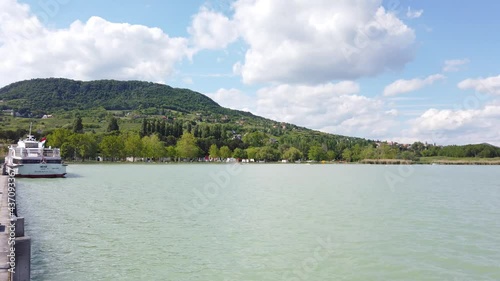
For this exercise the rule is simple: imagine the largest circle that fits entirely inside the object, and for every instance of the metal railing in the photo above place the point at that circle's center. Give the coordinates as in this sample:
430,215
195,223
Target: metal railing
37,152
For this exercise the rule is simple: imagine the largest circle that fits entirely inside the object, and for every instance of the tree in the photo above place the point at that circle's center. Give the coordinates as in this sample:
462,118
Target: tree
113,125
133,145
347,155
252,152
152,147
417,147
186,146
387,152
256,139
158,127
205,131
368,153
316,153
112,147
225,152
58,137
171,152
149,129
292,154
78,125
330,155
196,131
83,145
163,127
213,151
67,150
144,128
170,140
356,152
487,152
217,132
239,153
268,153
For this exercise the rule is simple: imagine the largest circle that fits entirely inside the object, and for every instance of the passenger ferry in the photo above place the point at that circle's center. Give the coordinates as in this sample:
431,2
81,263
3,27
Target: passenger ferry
30,159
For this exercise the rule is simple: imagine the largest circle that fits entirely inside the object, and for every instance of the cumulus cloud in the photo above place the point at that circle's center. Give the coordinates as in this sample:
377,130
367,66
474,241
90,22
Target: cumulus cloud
17,22
459,126
234,99
405,86
94,49
454,65
316,41
489,85
212,30
414,14
337,108
392,112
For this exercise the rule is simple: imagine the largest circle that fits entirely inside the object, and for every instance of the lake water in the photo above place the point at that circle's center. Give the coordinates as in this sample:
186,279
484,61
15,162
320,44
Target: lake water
260,222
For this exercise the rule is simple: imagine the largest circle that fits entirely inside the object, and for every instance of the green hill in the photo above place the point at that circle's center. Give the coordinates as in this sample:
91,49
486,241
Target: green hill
48,95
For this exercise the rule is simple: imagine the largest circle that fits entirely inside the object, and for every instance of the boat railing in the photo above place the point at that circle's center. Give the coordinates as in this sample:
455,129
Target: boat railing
37,152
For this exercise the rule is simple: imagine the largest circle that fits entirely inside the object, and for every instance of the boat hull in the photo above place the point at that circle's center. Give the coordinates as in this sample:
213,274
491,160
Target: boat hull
37,170
41,176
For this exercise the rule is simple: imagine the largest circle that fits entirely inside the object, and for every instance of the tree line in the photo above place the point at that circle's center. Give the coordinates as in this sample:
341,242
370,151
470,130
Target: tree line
159,140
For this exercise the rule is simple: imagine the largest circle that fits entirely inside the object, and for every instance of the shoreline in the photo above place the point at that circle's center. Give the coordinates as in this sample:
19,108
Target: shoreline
457,162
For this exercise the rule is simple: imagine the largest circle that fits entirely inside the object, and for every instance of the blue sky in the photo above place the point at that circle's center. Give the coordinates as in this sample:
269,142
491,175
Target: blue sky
400,70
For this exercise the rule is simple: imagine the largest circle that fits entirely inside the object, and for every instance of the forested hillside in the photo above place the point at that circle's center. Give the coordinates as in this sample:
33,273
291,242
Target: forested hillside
116,119
40,96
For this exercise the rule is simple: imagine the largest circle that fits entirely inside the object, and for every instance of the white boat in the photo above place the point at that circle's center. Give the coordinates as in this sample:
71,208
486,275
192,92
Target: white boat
30,159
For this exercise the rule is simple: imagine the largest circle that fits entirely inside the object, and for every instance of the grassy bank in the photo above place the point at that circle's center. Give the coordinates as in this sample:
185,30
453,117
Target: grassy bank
459,161
386,161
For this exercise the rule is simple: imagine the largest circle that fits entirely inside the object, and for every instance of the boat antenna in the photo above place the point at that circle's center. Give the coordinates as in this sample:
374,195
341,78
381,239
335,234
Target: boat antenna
31,123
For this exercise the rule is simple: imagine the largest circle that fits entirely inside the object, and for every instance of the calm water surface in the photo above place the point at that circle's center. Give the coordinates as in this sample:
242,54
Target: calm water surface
264,222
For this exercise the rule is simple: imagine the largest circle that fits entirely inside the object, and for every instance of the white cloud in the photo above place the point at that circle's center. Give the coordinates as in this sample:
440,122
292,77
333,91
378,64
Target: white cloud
316,41
392,112
334,108
212,30
95,49
490,85
459,126
405,86
234,99
414,14
454,65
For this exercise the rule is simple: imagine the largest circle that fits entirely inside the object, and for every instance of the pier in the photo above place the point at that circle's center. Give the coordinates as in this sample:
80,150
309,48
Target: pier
15,247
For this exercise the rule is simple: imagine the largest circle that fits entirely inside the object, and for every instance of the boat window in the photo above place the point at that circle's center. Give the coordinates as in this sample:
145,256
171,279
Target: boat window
37,161
31,145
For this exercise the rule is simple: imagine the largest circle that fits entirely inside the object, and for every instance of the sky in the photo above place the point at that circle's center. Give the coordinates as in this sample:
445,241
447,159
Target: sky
396,70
